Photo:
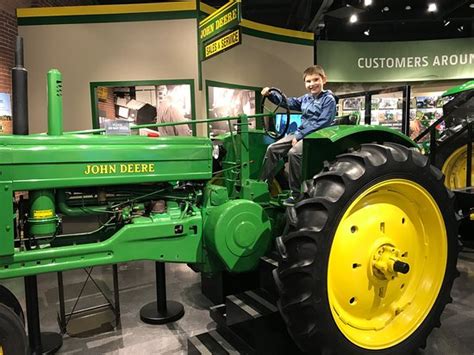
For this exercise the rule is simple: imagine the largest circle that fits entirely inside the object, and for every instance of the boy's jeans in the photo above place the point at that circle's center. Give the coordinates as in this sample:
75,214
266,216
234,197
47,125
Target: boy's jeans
279,150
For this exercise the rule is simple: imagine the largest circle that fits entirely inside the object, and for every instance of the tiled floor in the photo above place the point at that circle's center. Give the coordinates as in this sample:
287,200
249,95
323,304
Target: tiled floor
137,287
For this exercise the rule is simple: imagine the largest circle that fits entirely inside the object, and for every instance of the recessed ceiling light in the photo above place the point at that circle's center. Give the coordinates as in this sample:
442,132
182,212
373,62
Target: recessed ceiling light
385,9
432,7
367,2
446,22
471,5
353,18
461,28
408,7
367,32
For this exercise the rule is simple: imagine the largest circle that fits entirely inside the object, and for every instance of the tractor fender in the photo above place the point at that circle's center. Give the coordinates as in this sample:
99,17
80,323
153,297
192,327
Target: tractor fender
327,143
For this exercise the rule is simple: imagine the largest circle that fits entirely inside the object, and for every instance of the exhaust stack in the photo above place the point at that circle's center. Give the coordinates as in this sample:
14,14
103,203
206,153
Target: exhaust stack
19,91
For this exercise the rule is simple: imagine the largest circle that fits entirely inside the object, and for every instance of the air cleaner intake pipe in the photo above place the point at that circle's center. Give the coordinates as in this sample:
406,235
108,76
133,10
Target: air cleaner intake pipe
19,91
55,103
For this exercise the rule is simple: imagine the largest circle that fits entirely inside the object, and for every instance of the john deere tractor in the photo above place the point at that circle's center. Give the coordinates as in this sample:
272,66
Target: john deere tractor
368,254
451,151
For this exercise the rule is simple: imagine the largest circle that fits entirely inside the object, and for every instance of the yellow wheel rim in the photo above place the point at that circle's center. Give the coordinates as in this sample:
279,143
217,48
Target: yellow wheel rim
374,306
454,168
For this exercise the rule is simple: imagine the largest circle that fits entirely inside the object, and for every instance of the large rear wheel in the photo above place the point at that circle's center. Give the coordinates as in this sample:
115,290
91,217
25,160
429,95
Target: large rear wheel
372,256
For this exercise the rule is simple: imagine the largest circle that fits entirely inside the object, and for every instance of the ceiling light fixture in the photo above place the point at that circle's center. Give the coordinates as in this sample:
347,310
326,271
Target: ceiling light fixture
353,18
461,28
367,2
471,5
385,9
446,22
432,7
367,32
408,7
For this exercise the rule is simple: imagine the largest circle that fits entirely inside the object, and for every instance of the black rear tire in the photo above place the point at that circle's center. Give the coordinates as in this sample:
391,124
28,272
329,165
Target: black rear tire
13,340
302,278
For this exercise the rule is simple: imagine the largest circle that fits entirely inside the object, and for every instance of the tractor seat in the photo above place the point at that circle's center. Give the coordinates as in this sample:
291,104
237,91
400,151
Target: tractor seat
345,120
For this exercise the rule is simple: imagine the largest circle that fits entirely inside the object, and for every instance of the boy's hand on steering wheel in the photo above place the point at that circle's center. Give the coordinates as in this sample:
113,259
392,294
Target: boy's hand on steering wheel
293,142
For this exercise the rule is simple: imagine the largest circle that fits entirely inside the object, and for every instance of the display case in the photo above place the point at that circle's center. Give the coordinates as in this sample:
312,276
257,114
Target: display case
425,108
387,107
352,106
387,110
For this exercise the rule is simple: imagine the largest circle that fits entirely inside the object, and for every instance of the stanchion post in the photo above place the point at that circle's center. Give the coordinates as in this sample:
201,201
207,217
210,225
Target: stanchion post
162,311
40,343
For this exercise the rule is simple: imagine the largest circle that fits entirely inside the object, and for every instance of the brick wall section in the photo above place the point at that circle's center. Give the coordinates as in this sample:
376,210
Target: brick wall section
108,106
8,33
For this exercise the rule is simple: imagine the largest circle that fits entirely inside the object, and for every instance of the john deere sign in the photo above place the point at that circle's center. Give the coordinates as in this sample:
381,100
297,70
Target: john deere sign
226,17
223,43
219,31
397,61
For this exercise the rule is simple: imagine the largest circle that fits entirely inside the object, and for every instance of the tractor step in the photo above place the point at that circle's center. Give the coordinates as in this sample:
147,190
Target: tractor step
464,197
218,313
248,305
247,323
265,276
220,342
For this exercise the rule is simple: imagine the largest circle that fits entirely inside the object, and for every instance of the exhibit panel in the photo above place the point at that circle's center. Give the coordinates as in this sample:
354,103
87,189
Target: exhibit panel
228,100
419,65
145,102
398,61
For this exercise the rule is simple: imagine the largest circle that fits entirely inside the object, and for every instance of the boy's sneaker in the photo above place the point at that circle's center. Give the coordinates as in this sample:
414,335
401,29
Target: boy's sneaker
290,201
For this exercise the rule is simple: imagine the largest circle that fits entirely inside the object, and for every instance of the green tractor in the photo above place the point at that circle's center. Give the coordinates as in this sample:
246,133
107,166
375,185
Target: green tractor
451,151
448,148
368,254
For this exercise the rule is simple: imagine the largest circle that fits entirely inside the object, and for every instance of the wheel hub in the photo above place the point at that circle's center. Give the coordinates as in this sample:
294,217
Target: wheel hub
387,263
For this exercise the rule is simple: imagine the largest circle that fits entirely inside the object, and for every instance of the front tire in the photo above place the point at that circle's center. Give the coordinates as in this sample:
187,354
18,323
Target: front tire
340,290
13,340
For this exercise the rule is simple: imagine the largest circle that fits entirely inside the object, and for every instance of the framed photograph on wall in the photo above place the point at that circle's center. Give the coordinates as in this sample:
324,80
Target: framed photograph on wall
146,102
5,114
229,100
351,104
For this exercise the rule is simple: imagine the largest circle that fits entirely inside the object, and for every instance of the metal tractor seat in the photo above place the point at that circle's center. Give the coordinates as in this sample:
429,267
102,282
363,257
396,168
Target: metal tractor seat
345,120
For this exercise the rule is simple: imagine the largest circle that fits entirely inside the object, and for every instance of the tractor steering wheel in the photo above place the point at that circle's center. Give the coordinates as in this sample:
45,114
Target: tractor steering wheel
269,123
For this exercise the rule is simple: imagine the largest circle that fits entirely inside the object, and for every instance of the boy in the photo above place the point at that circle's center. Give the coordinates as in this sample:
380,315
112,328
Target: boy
318,109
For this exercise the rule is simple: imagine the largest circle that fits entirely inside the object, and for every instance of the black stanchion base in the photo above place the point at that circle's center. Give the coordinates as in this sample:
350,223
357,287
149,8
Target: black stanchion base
50,342
149,313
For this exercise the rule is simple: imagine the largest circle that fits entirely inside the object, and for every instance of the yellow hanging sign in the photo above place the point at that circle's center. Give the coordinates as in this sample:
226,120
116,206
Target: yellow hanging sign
223,43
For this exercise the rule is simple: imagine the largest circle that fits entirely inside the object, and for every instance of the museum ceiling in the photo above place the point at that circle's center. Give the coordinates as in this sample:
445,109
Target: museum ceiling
382,20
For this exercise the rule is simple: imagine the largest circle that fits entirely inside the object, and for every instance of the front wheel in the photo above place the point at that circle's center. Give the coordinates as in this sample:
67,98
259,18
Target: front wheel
13,340
371,259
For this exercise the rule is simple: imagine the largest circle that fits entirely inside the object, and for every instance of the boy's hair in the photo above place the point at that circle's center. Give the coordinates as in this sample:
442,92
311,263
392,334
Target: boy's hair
314,69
